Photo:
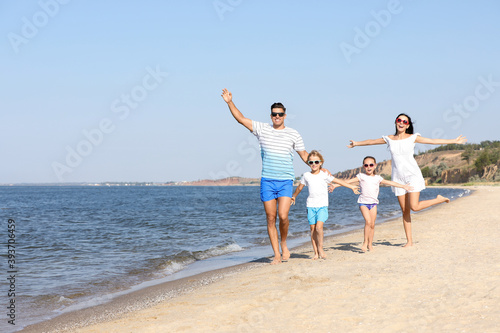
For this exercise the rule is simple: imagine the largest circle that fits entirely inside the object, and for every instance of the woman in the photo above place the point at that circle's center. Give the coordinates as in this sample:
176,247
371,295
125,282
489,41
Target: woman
405,169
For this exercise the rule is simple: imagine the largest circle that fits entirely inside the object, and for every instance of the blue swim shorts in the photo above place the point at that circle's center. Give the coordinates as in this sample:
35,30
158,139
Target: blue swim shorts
315,214
271,189
369,206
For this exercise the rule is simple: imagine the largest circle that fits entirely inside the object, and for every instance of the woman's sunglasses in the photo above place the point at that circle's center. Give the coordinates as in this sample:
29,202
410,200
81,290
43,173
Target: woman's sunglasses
371,165
313,162
399,120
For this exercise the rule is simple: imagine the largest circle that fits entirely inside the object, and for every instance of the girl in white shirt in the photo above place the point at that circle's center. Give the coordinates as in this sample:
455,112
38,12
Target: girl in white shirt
317,201
369,184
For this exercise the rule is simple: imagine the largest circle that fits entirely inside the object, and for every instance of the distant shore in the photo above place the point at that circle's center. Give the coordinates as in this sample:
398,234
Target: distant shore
231,181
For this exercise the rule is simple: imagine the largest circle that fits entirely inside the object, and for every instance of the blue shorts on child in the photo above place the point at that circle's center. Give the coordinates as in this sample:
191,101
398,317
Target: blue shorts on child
315,214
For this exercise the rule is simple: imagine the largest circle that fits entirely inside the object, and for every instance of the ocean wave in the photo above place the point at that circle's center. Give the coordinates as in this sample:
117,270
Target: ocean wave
181,260
389,214
464,193
217,251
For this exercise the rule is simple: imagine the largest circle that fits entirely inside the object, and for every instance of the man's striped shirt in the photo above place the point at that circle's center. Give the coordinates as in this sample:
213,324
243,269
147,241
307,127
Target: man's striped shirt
276,150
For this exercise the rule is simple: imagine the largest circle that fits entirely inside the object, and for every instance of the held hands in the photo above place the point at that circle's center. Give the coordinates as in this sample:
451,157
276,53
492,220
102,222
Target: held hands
293,201
461,140
332,187
352,144
226,95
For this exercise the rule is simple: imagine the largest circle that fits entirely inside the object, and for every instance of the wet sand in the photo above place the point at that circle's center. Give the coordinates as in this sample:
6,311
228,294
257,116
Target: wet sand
448,281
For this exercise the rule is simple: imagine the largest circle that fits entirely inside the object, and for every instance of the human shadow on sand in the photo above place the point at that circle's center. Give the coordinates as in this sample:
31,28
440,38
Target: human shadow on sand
387,243
292,256
347,247
262,260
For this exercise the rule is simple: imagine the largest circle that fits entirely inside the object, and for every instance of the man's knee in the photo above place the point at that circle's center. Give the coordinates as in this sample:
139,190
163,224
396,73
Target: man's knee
283,218
271,218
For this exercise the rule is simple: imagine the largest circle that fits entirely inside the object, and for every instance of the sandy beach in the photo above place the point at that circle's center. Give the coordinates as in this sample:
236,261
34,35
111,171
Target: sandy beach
449,281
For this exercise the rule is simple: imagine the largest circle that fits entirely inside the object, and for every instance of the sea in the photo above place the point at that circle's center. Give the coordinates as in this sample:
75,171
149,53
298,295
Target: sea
71,247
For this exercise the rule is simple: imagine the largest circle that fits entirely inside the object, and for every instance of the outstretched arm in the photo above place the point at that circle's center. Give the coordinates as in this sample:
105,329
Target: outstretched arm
459,141
333,186
346,184
391,183
228,98
296,193
366,143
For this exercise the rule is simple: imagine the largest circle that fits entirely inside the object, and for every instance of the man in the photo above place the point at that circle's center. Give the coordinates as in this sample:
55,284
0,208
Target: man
277,143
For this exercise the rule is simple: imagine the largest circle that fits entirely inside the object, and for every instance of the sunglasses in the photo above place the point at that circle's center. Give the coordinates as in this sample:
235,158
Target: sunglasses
313,162
274,114
399,120
371,165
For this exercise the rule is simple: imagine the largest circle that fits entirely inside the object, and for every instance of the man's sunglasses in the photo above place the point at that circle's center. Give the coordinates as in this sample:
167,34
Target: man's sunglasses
399,120
274,114
313,162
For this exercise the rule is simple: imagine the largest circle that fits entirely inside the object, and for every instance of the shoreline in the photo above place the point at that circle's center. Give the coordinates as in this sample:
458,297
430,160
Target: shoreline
150,296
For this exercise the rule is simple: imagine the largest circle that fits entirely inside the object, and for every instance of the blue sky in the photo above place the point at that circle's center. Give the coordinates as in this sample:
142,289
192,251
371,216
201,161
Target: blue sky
97,91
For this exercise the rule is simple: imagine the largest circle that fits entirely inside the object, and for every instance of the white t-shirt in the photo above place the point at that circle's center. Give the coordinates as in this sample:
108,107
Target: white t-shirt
318,188
369,186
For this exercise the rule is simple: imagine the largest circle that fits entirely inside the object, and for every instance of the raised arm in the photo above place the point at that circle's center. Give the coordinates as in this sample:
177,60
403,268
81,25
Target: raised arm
459,141
407,187
366,143
228,98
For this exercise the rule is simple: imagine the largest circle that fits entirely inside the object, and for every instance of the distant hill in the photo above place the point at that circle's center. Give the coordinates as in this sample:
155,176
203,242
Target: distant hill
448,164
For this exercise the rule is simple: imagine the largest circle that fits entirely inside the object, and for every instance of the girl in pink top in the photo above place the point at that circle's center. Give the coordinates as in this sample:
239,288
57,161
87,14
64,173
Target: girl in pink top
369,184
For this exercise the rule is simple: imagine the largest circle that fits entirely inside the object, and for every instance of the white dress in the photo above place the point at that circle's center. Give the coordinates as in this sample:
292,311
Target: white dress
404,167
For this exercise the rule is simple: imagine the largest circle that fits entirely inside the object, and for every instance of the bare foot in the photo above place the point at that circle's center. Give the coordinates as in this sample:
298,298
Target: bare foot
444,199
322,255
408,244
285,253
370,248
315,257
364,247
276,261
